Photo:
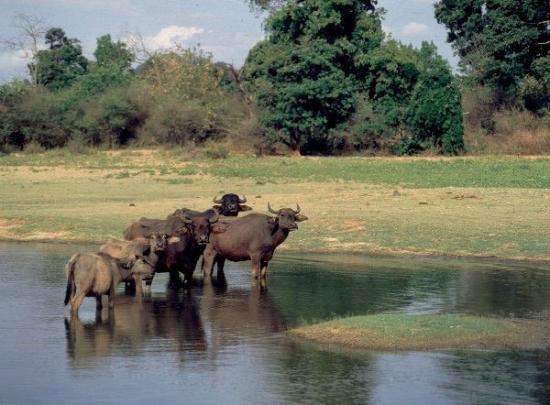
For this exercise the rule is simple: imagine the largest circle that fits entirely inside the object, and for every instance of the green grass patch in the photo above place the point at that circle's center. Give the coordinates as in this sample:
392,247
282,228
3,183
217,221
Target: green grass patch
428,332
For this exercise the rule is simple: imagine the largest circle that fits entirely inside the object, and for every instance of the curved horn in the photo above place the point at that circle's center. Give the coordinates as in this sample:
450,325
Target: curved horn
298,209
271,209
186,219
242,200
217,200
215,218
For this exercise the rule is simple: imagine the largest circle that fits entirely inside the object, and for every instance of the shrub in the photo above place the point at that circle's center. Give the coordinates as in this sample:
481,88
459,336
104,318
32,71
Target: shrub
178,123
112,118
219,152
34,147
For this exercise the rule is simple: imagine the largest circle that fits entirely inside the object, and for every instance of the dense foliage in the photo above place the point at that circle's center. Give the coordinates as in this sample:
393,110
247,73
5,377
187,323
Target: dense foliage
326,80
176,98
504,45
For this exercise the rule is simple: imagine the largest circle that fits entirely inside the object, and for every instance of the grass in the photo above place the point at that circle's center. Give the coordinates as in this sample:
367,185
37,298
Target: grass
486,206
428,332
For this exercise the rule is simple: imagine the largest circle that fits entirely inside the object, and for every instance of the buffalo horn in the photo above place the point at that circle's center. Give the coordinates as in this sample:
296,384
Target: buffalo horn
242,200
298,209
217,200
271,209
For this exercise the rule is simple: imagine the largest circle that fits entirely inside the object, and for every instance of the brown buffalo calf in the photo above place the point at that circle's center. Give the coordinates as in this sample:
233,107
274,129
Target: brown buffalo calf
96,275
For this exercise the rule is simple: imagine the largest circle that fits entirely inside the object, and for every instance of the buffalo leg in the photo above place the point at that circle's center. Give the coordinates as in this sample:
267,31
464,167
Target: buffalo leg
112,293
220,261
175,281
99,302
76,302
263,272
139,287
148,283
255,266
208,260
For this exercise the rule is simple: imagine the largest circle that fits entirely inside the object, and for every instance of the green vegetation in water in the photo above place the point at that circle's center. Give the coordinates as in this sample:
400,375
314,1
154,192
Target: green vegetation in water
426,332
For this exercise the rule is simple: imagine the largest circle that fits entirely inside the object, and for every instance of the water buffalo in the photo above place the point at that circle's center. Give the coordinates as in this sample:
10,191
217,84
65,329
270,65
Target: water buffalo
193,230
230,205
142,254
253,237
95,275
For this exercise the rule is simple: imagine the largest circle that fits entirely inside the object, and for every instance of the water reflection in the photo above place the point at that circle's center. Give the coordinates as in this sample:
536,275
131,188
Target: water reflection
135,327
225,342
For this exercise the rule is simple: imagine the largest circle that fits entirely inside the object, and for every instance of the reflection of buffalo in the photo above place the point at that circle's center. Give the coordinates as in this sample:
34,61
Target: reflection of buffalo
135,327
180,323
236,313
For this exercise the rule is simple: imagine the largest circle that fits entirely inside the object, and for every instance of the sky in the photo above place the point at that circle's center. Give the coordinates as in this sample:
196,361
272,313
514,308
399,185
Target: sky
226,28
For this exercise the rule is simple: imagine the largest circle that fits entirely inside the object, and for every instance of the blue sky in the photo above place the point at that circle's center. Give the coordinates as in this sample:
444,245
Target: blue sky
227,28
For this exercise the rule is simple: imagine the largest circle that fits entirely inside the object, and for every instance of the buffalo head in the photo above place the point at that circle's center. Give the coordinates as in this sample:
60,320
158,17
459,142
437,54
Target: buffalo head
287,217
230,205
200,225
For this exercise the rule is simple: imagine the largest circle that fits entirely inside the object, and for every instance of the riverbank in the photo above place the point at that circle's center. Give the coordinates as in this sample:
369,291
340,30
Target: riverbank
472,206
428,332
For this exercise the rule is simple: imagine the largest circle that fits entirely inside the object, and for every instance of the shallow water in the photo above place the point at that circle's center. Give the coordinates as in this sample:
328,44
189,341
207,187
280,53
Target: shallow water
228,344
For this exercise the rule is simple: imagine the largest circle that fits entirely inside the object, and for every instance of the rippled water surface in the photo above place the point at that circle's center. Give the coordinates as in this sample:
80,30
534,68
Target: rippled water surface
227,344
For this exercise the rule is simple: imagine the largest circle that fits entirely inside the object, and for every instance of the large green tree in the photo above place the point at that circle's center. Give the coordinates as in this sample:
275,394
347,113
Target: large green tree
59,65
303,74
326,69
503,44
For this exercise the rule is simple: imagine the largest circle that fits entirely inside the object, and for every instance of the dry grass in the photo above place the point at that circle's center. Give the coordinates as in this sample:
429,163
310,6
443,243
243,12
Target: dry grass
428,332
516,132
354,205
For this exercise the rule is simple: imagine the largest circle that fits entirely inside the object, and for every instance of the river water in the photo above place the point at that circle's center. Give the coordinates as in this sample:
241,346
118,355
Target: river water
227,344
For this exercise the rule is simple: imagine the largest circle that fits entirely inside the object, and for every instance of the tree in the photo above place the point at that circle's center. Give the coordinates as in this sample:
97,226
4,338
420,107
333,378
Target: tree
434,115
31,30
113,54
500,42
304,74
58,66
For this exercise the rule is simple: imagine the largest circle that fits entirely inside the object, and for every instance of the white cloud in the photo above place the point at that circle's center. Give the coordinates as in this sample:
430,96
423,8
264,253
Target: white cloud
387,29
172,35
12,60
426,1
414,29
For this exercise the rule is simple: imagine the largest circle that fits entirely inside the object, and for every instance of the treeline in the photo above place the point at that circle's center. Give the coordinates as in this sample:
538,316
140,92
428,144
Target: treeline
326,80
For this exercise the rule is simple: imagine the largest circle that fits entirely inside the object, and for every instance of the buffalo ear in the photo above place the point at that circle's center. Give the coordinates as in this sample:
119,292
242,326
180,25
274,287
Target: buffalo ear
217,207
219,228
243,207
300,218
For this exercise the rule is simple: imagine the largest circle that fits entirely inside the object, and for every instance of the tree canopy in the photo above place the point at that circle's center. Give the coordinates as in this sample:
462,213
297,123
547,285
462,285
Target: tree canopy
503,44
59,65
326,65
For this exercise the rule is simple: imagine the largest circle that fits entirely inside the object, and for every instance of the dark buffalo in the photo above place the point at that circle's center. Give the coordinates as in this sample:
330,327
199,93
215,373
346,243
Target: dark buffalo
253,237
193,230
230,205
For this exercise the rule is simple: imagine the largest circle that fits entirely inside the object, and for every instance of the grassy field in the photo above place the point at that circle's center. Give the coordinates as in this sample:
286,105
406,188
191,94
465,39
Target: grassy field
475,206
425,332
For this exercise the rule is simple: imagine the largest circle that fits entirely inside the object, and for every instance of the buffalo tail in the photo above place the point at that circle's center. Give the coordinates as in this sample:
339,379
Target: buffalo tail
69,269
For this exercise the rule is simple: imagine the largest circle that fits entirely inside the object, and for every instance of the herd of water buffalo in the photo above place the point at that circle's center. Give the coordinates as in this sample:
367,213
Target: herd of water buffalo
175,244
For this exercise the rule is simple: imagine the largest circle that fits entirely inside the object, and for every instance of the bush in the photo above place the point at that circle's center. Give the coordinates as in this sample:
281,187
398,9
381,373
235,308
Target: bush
219,152
34,147
177,123
113,118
